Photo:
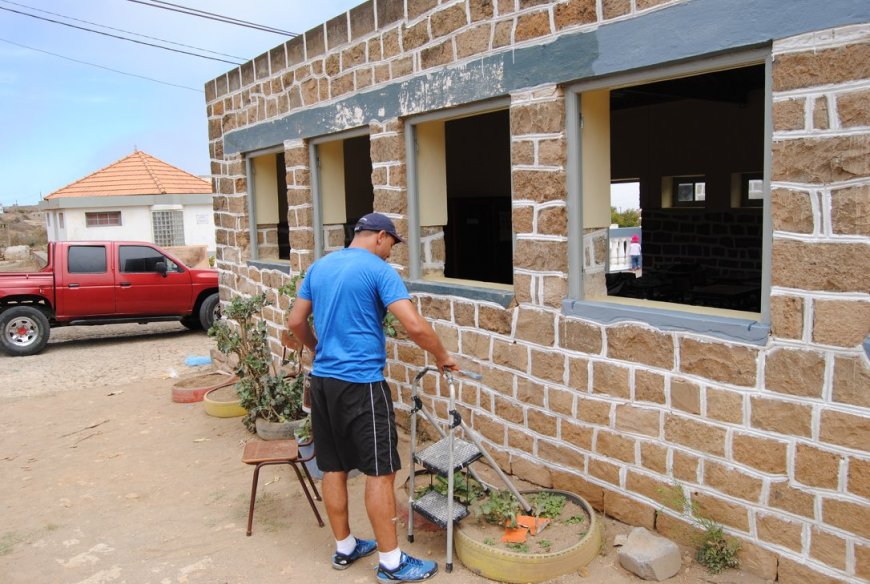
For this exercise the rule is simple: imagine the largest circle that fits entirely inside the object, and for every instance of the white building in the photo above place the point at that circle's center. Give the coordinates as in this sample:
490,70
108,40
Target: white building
138,198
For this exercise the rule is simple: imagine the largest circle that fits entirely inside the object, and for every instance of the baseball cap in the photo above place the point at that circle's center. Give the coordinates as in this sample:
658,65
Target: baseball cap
377,222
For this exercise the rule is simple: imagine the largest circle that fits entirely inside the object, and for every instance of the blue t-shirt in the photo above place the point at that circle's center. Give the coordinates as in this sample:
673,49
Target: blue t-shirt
349,291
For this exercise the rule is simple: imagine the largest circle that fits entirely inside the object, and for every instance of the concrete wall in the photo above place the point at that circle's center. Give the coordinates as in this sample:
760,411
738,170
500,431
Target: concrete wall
136,225
771,438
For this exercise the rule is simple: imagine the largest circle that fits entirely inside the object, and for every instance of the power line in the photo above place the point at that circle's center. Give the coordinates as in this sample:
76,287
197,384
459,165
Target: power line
122,30
100,66
212,16
118,36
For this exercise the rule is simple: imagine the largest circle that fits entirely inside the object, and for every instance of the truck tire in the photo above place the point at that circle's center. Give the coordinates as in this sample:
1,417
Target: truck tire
209,311
25,330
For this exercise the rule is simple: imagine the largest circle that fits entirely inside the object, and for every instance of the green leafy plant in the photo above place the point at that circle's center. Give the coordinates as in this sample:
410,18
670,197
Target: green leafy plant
389,325
714,550
522,548
303,433
548,505
575,520
265,390
465,488
501,508
488,541
544,544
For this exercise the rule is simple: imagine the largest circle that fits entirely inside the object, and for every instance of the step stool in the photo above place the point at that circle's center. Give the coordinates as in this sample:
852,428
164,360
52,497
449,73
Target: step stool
445,458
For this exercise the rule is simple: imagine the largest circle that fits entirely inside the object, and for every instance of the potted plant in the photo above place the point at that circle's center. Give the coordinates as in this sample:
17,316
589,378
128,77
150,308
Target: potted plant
270,392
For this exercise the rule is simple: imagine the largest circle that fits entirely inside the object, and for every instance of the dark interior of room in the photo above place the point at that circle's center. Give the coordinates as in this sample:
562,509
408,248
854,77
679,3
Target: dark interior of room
359,194
708,127
478,235
283,227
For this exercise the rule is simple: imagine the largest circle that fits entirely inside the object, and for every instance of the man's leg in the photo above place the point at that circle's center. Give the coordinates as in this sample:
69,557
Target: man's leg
335,500
381,509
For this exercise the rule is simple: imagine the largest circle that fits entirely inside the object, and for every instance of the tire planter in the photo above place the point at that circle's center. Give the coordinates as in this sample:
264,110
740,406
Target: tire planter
193,389
222,402
507,566
277,430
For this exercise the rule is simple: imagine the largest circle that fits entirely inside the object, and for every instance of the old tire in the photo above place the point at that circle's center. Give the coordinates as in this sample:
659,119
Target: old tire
209,311
192,390
25,330
508,566
222,406
267,430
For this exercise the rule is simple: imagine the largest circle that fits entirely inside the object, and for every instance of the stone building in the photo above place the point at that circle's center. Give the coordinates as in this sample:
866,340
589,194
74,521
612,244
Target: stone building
491,132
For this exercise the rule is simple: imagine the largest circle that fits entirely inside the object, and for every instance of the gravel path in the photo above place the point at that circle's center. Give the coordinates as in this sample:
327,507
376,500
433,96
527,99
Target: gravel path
87,356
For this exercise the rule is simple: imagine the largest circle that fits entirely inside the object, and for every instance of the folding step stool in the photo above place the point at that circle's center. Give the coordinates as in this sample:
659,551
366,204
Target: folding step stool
445,458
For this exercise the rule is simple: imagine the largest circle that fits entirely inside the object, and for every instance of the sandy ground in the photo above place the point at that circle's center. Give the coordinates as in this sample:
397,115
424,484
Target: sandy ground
103,479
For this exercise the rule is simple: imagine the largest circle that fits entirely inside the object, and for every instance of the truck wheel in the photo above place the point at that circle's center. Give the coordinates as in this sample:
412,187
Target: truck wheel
209,311
25,330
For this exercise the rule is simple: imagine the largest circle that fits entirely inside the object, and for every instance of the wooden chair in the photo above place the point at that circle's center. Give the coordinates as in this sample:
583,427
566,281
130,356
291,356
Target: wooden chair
267,452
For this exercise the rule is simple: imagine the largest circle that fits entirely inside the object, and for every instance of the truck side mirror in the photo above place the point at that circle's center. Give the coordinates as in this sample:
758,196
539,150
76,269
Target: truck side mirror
161,268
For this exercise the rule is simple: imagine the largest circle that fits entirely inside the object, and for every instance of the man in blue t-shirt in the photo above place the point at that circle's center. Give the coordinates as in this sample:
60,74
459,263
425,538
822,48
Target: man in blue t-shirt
349,292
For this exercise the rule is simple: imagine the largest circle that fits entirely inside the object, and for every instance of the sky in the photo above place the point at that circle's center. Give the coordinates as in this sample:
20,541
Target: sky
61,120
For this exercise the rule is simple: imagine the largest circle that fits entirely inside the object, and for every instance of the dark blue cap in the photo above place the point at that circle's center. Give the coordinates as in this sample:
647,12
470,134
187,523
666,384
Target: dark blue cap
377,222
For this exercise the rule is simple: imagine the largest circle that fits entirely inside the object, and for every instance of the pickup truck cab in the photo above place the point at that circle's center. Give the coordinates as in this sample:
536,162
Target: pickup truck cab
102,282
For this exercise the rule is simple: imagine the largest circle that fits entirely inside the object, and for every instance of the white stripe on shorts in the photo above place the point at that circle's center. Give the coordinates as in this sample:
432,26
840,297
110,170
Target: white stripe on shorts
374,427
389,429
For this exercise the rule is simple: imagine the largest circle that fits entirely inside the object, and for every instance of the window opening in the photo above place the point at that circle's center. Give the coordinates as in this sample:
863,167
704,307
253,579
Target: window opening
103,218
478,236
752,189
344,186
687,139
60,220
689,190
268,191
168,227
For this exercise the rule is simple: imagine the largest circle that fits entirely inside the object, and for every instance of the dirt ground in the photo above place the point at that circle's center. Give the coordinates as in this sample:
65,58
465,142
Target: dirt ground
105,480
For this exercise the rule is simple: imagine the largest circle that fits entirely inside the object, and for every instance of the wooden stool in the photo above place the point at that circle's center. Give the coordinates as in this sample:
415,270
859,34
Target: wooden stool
266,452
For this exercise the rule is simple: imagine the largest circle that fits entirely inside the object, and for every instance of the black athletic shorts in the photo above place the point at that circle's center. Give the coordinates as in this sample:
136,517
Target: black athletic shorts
354,426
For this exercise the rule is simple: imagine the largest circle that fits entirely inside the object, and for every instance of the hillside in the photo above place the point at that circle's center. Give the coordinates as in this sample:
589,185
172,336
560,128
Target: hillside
23,225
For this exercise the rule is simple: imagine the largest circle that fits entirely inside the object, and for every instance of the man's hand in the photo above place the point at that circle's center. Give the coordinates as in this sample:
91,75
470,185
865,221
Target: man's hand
447,364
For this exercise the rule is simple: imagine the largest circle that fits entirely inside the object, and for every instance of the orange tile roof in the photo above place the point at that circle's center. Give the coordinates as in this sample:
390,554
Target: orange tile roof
137,174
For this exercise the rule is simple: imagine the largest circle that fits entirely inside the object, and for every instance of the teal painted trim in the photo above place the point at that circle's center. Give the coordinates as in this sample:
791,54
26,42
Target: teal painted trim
739,330
685,31
503,299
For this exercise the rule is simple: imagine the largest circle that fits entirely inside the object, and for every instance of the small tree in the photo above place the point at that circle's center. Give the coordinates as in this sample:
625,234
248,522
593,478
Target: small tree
264,389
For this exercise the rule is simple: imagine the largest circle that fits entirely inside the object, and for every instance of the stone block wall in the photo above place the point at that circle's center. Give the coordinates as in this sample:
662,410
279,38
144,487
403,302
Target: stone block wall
772,441
725,246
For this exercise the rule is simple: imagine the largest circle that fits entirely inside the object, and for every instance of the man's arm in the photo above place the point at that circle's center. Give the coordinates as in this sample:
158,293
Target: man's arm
422,333
297,321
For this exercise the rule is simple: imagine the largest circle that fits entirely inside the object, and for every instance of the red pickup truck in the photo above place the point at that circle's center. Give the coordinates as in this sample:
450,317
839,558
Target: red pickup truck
102,282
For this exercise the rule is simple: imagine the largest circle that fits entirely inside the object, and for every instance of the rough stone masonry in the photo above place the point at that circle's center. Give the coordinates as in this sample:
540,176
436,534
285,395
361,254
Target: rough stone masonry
771,439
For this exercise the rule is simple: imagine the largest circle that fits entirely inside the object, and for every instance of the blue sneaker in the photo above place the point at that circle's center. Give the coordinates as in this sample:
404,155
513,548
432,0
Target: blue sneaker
410,570
364,547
